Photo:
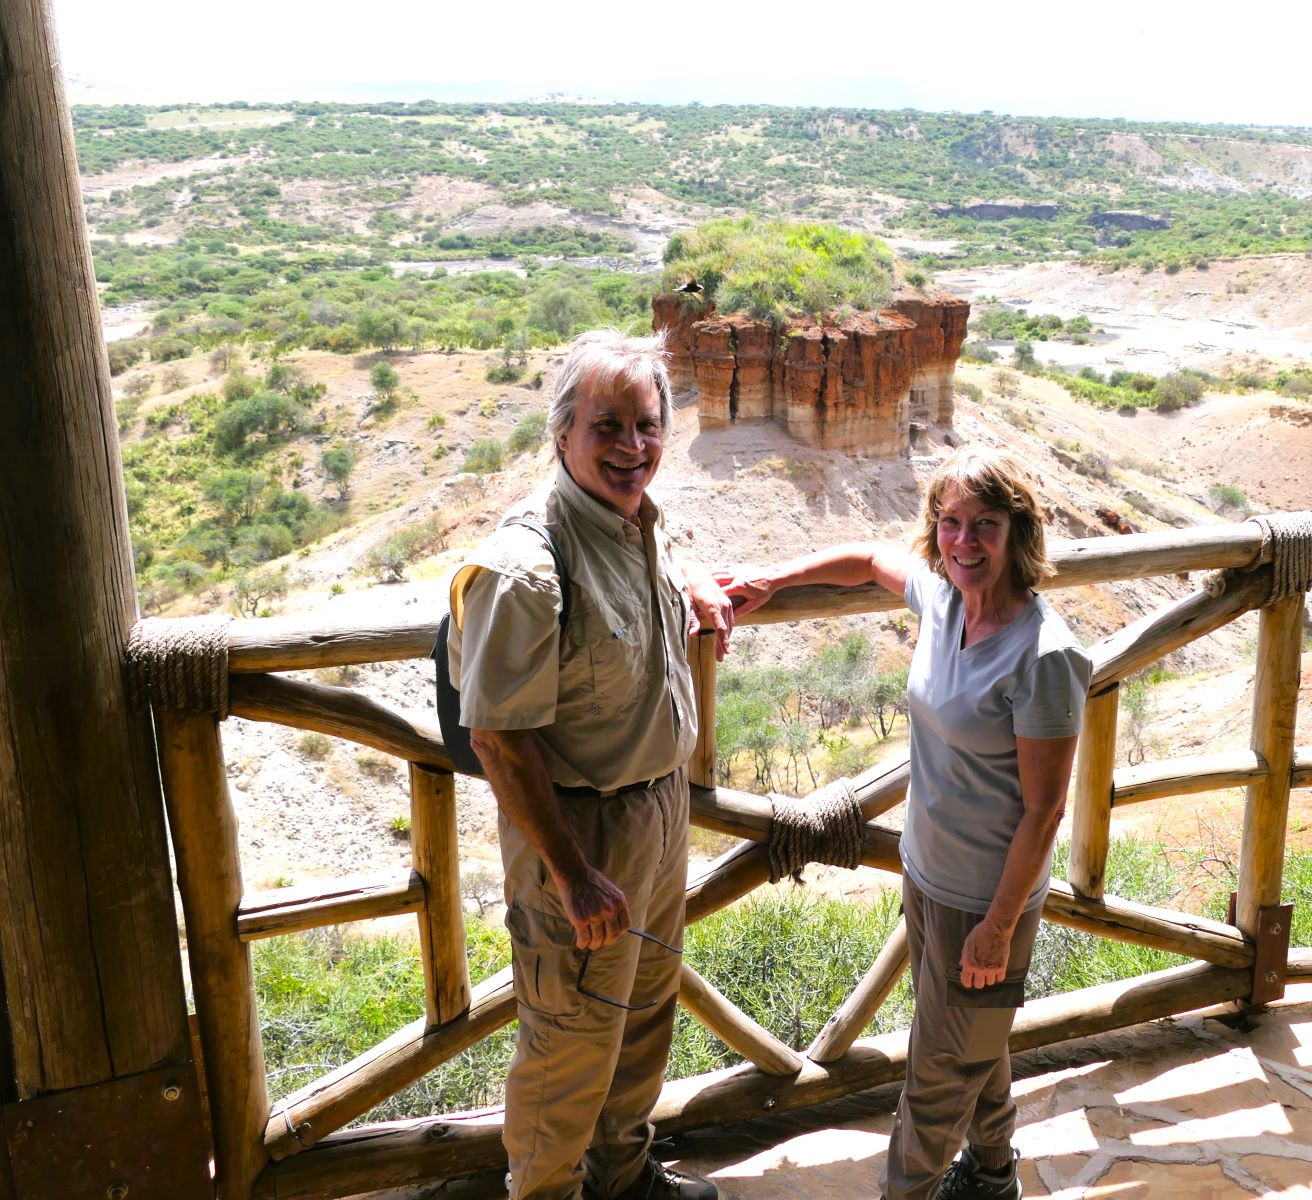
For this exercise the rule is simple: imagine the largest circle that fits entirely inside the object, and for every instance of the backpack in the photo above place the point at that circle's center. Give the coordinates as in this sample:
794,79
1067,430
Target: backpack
455,735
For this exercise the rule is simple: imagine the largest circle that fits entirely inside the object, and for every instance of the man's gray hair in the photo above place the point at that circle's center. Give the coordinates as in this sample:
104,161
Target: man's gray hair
609,361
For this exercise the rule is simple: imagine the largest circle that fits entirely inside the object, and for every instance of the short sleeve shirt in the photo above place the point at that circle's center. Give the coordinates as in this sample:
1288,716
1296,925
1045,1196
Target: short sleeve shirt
610,697
967,706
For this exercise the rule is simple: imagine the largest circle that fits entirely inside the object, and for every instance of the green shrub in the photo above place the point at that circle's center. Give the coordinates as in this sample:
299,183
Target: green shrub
336,464
978,352
1228,495
315,745
528,433
325,997
1177,391
483,458
384,379
388,560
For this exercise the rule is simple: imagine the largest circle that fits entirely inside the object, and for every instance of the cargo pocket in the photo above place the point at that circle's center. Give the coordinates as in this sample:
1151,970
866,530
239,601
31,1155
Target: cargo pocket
993,1012
546,962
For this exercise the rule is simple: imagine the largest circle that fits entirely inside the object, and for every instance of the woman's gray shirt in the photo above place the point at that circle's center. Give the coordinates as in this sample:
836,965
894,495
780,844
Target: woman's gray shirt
967,707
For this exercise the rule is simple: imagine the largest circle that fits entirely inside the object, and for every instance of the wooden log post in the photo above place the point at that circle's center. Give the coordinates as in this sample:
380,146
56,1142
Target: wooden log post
1275,707
858,1010
89,957
204,828
1091,830
701,657
734,1027
442,920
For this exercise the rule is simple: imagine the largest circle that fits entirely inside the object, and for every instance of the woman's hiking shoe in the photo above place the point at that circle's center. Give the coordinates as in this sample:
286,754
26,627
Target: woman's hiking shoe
967,1180
659,1182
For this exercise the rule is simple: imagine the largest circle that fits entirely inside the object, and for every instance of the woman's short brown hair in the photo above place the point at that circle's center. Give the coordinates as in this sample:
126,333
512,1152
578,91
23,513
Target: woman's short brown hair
998,481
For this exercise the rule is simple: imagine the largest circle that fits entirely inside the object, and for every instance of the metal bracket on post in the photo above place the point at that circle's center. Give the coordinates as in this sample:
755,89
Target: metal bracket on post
133,1137
1271,952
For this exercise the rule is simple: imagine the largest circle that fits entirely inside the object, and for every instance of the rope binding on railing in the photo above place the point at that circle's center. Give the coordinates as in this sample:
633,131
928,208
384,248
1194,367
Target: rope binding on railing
179,663
823,827
1289,538
1287,544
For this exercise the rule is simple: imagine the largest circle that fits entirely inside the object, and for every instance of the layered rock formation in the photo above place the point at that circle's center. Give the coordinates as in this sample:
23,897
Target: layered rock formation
1121,219
855,385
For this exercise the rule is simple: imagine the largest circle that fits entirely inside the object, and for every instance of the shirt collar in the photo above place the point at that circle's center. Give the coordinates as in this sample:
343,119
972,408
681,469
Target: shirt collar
610,523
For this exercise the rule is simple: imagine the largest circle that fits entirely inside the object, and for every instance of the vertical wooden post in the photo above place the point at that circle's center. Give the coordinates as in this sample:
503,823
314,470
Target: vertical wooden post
1275,707
701,658
436,848
1091,828
89,955
209,877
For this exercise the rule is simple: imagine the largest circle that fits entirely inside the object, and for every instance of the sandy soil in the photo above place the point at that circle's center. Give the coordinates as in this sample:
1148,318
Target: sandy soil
1159,322
134,174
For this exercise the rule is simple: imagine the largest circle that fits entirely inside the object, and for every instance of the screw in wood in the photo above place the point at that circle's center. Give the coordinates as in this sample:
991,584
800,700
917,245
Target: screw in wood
171,1091
117,1191
1272,977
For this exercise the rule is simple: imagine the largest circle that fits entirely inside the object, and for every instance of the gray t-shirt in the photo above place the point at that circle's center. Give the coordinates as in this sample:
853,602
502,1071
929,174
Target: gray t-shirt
967,707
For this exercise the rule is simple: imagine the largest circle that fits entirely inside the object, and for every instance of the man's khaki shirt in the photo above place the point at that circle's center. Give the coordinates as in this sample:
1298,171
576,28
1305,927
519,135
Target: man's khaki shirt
610,697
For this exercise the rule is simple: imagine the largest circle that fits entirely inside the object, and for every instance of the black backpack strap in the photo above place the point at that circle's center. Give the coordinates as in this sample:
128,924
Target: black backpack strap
556,557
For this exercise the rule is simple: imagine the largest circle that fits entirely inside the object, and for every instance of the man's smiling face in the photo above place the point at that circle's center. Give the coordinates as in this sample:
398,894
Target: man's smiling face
613,446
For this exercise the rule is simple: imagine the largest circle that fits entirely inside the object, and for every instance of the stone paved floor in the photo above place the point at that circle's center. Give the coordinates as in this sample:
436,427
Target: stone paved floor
1195,1108
1205,1107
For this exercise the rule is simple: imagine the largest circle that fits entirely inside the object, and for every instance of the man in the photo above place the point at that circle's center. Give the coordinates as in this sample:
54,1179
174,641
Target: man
583,733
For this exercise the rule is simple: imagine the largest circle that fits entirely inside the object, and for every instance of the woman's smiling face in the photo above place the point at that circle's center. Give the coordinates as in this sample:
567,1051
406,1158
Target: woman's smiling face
613,445
974,540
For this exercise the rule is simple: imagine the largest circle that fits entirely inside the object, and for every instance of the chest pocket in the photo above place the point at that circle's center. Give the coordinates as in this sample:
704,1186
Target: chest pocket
678,604
610,649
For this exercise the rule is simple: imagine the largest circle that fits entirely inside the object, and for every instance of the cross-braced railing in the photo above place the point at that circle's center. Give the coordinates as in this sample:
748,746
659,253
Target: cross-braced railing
299,1147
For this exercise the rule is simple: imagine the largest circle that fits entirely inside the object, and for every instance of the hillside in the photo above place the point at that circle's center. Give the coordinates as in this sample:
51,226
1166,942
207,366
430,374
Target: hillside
301,291
744,493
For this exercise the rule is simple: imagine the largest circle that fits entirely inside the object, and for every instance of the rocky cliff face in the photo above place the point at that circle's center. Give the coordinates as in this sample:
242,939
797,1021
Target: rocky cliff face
856,385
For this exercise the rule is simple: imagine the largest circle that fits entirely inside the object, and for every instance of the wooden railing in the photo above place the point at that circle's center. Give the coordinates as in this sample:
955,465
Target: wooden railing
298,1148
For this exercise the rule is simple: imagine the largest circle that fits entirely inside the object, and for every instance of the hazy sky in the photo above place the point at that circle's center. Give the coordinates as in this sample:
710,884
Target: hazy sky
1146,59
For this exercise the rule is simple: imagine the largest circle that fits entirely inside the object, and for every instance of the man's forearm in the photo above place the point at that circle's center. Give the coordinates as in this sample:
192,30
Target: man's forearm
524,792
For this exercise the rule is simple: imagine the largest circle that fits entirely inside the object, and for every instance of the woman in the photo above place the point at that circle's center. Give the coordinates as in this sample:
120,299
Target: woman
996,694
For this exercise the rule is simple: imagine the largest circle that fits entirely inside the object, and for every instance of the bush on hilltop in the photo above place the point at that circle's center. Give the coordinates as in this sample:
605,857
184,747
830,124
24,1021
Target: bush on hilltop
780,269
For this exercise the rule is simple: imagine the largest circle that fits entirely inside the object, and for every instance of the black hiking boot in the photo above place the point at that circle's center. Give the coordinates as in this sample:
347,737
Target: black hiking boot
967,1180
656,1181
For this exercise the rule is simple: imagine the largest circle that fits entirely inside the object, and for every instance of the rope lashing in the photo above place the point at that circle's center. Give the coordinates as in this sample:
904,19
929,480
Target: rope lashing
822,827
1287,541
179,663
1289,537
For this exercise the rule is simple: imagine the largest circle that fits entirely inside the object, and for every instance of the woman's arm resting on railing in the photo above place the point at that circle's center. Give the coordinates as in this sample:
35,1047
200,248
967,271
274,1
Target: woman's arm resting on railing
711,606
596,908
846,565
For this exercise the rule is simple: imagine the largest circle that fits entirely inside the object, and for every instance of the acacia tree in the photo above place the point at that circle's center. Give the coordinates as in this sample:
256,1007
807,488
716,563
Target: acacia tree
337,463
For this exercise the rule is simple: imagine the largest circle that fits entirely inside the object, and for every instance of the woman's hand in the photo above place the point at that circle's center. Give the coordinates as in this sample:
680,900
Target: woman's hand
747,587
984,956
710,607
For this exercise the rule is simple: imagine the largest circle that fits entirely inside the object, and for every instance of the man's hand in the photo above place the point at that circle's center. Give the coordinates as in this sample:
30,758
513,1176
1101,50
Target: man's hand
984,956
595,907
710,606
747,587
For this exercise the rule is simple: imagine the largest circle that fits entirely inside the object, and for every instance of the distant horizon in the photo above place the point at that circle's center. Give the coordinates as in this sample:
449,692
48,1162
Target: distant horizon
1129,60
84,92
